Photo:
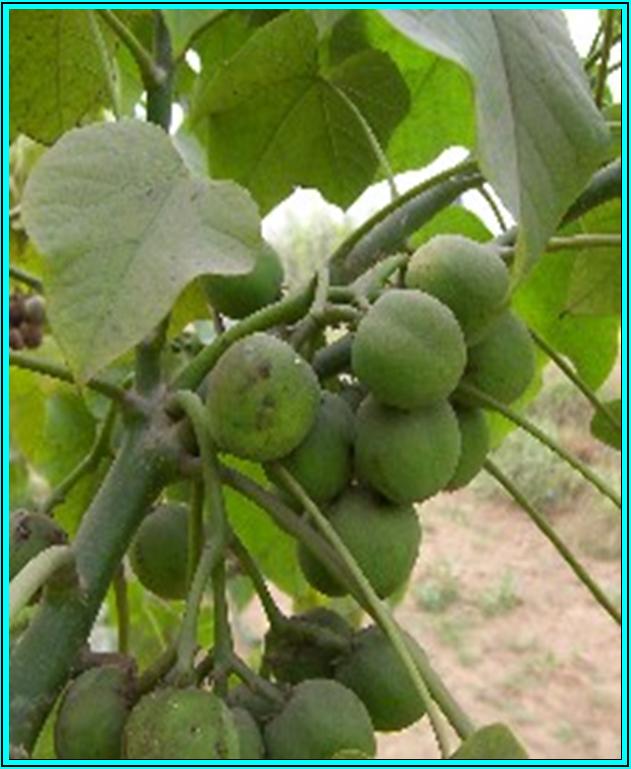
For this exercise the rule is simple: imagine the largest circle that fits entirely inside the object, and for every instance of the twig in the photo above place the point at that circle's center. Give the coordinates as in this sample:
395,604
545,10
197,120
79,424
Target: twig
150,72
195,529
274,615
554,539
492,403
22,276
576,380
495,209
35,575
55,371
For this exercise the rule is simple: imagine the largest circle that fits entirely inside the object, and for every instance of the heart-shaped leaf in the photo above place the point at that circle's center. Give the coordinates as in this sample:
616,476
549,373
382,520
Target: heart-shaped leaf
60,70
539,134
124,228
491,743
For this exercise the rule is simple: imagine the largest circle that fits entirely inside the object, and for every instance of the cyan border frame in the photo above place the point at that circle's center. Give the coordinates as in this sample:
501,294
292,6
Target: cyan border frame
6,7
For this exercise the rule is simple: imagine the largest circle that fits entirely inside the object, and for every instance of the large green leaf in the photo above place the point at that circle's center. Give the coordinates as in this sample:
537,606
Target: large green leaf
491,743
124,228
604,430
539,134
441,109
59,70
274,121
590,342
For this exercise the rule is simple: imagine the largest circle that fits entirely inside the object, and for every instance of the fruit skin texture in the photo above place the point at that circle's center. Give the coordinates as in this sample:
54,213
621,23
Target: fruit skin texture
322,463
92,715
185,724
384,539
250,738
262,399
238,296
159,552
320,719
470,278
475,442
294,659
406,456
377,676
503,364
409,350
29,534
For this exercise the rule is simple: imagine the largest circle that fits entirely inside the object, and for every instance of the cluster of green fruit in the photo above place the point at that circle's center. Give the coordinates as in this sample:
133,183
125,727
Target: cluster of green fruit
27,316
419,355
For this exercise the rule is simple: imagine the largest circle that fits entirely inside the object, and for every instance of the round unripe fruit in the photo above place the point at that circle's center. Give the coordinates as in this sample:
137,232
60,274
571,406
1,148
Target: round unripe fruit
262,399
320,719
250,737
322,463
409,350
184,724
31,335
92,715
35,310
503,364
475,442
375,673
238,296
384,539
408,456
293,658
470,278
29,534
159,552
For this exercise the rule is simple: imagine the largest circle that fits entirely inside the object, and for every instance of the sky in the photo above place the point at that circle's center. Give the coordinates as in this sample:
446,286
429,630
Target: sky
582,24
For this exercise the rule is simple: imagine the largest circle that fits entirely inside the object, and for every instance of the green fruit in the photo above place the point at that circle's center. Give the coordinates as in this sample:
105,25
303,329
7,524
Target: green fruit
384,539
185,724
503,364
322,463
320,719
92,715
293,658
409,350
374,671
262,399
159,552
475,442
491,743
250,737
29,534
470,278
238,296
408,456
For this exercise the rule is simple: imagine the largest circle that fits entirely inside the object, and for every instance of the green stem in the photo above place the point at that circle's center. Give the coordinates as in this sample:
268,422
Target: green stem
211,561
195,529
87,466
35,575
554,539
157,671
160,92
488,402
572,375
22,276
222,631
389,226
495,209
378,609
288,310
150,72
42,658
254,682
274,615
55,371
601,81
122,609
334,358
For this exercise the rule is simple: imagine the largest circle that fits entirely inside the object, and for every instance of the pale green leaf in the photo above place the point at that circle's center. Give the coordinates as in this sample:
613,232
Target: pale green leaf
275,122
183,24
539,134
491,743
124,228
60,71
